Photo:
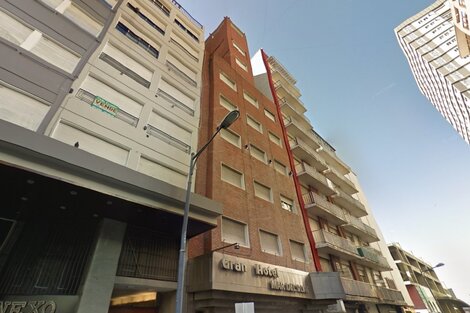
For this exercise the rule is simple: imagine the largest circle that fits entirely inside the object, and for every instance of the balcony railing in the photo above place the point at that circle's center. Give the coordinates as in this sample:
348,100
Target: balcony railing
192,19
324,238
340,180
284,103
277,66
314,199
358,225
316,179
328,284
317,159
301,131
278,85
373,255
388,294
349,203
358,288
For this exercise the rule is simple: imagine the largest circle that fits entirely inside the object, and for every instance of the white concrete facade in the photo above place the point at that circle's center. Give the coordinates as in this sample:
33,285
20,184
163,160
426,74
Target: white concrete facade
429,42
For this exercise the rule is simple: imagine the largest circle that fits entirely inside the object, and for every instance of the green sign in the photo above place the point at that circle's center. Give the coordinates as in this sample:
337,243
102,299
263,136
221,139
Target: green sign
105,106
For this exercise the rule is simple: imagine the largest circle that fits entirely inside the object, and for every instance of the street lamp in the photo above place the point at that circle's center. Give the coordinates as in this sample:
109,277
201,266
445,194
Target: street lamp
426,281
227,121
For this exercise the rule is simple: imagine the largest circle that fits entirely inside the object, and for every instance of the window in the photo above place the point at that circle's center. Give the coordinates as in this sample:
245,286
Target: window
241,64
233,231
231,137
223,77
21,109
34,41
325,265
91,143
162,171
77,15
181,69
176,97
126,64
81,18
270,115
145,16
226,103
281,168
232,176
238,48
184,46
287,204
138,39
270,243
258,153
250,99
263,192
123,102
169,131
298,251
186,30
275,139
253,123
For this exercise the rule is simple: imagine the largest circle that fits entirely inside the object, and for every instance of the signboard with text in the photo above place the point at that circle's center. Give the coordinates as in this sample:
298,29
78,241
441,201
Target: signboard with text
105,106
243,275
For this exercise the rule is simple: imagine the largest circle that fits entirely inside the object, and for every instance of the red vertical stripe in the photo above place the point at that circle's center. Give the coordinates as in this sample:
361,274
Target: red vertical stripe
313,248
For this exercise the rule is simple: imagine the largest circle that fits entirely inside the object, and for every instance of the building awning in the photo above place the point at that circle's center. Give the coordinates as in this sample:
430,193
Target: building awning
38,172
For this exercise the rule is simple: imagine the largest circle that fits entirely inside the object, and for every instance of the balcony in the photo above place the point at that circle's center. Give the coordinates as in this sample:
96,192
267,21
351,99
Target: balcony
276,66
359,228
317,205
309,176
390,295
373,258
332,244
289,109
304,152
340,180
354,206
295,129
281,84
292,96
330,285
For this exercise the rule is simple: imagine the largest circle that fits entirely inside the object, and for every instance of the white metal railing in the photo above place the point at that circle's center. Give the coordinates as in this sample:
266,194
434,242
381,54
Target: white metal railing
356,203
322,236
356,222
299,142
358,288
303,167
314,198
341,176
373,255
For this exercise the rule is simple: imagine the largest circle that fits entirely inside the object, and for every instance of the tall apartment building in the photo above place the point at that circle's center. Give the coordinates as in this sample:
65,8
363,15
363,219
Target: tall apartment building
246,168
99,113
430,44
350,252
460,15
289,202
426,290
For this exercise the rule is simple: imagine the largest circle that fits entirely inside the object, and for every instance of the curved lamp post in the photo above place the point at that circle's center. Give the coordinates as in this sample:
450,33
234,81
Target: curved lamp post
427,284
227,121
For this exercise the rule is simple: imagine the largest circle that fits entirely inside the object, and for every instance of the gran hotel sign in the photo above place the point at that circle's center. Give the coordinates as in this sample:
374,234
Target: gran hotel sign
248,276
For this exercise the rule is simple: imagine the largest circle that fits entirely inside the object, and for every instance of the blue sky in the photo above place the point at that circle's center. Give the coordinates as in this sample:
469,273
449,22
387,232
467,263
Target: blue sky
361,97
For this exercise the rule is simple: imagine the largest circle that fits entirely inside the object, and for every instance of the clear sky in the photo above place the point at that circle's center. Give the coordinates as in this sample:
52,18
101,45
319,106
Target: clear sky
362,98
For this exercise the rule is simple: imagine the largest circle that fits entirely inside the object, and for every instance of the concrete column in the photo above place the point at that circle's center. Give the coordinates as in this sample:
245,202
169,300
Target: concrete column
99,281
